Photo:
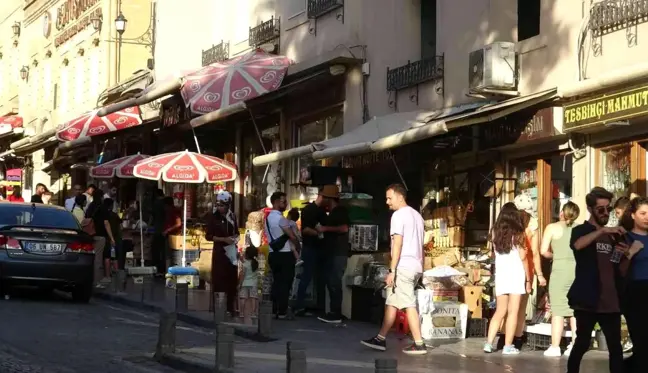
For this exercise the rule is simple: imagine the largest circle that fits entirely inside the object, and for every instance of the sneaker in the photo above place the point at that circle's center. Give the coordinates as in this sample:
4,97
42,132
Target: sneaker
415,349
553,351
375,343
510,350
330,318
105,280
282,316
488,348
568,350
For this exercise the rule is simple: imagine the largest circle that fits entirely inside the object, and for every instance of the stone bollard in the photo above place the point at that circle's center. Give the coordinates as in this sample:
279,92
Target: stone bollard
386,366
265,319
148,288
220,307
224,347
295,358
166,334
182,297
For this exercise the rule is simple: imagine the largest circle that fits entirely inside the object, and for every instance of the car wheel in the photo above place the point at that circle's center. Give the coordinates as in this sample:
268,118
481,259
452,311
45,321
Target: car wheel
82,293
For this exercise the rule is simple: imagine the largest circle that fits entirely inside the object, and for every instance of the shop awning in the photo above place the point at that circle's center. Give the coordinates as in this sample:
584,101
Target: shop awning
483,114
361,139
31,144
128,88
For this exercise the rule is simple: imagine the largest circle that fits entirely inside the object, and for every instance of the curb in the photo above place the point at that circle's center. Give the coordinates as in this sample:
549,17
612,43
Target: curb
184,317
184,365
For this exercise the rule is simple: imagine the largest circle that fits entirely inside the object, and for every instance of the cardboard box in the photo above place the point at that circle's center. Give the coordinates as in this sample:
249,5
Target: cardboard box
451,257
472,296
175,242
445,295
428,263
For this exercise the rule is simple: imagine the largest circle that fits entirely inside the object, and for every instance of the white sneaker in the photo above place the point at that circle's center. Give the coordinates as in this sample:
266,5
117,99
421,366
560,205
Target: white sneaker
553,351
510,350
568,350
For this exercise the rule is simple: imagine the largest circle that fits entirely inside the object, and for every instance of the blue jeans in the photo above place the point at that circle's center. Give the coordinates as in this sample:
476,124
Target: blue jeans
311,259
336,266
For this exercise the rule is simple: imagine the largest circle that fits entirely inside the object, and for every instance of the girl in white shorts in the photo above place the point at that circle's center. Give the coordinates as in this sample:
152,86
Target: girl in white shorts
507,239
248,284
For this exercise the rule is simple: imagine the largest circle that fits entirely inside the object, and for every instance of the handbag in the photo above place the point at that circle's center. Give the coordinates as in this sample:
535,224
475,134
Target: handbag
88,225
276,244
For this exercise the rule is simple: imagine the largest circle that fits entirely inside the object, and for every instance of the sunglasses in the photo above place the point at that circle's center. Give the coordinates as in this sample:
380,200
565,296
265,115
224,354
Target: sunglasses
603,209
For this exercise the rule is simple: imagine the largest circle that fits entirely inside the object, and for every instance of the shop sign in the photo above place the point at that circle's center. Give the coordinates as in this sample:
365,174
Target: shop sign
174,113
520,130
607,108
14,174
70,11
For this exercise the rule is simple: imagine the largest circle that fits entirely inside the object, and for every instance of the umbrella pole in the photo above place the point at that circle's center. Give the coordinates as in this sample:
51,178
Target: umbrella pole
141,230
195,139
184,228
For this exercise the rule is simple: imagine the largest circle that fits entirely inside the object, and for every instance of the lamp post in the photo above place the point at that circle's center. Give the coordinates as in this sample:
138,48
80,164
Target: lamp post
16,29
120,26
24,73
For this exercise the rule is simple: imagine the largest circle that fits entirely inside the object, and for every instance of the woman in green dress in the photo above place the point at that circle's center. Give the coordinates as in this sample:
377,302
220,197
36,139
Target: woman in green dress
555,245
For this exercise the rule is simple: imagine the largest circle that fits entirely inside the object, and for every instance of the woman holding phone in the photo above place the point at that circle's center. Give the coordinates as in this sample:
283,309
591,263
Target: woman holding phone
635,306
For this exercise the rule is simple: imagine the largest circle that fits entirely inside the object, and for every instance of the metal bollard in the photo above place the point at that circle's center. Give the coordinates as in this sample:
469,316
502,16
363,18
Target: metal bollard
386,366
264,326
224,347
182,297
166,334
295,358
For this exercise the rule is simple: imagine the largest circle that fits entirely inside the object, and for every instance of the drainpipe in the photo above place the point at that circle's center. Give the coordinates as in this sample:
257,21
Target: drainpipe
617,77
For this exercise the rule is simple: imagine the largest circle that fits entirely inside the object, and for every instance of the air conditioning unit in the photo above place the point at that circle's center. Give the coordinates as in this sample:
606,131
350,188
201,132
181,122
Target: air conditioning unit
493,67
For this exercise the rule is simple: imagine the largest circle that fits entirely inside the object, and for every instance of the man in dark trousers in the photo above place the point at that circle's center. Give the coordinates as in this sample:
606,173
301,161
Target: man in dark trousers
312,216
594,294
336,252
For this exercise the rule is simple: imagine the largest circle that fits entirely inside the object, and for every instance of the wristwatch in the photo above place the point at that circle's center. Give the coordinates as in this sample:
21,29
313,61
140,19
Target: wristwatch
390,271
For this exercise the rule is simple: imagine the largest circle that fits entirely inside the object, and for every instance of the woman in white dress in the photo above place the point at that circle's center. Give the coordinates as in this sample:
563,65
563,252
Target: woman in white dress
508,241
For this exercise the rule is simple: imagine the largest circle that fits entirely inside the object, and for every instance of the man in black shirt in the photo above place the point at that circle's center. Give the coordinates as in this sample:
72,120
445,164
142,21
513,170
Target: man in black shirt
312,216
336,250
38,197
594,294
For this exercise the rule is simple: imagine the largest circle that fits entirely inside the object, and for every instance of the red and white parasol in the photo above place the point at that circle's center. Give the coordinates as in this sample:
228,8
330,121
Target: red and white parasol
90,124
185,167
120,167
226,83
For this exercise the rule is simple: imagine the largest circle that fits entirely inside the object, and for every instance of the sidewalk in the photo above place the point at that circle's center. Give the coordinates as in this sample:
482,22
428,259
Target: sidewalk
338,349
333,347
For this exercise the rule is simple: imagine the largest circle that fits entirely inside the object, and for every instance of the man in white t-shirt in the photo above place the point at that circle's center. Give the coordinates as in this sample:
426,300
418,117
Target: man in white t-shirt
76,191
282,260
405,270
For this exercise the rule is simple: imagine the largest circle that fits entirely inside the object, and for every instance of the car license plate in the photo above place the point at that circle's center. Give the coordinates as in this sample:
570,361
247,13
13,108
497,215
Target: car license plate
44,248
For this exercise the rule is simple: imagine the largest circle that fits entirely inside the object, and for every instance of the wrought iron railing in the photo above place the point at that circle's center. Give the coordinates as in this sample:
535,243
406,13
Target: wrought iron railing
609,15
317,8
264,33
414,73
216,53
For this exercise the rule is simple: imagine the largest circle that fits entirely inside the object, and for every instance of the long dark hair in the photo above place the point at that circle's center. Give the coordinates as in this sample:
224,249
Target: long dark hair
508,229
251,254
626,220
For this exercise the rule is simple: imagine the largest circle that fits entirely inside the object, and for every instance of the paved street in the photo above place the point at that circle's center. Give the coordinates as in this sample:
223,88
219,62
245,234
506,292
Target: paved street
50,334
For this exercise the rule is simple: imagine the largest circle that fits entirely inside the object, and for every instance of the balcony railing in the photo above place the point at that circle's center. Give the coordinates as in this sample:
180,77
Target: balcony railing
264,33
609,15
216,53
317,8
414,73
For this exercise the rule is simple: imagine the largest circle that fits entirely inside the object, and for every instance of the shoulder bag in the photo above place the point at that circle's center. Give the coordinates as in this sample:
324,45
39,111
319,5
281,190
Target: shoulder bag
276,244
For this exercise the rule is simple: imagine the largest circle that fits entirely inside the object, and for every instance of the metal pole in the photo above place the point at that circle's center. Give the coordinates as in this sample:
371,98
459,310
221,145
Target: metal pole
119,50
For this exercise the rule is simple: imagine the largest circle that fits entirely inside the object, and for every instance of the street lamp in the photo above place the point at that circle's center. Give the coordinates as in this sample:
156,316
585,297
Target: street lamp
24,73
96,23
16,28
120,23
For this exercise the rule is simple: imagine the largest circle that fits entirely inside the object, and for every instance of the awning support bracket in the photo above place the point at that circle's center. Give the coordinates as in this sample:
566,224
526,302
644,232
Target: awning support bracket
400,175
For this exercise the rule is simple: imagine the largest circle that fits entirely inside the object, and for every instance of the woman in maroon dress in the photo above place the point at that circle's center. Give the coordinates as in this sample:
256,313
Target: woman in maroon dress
223,230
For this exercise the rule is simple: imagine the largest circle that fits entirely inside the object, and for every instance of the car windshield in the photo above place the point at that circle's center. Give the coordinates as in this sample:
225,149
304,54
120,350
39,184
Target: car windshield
13,214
